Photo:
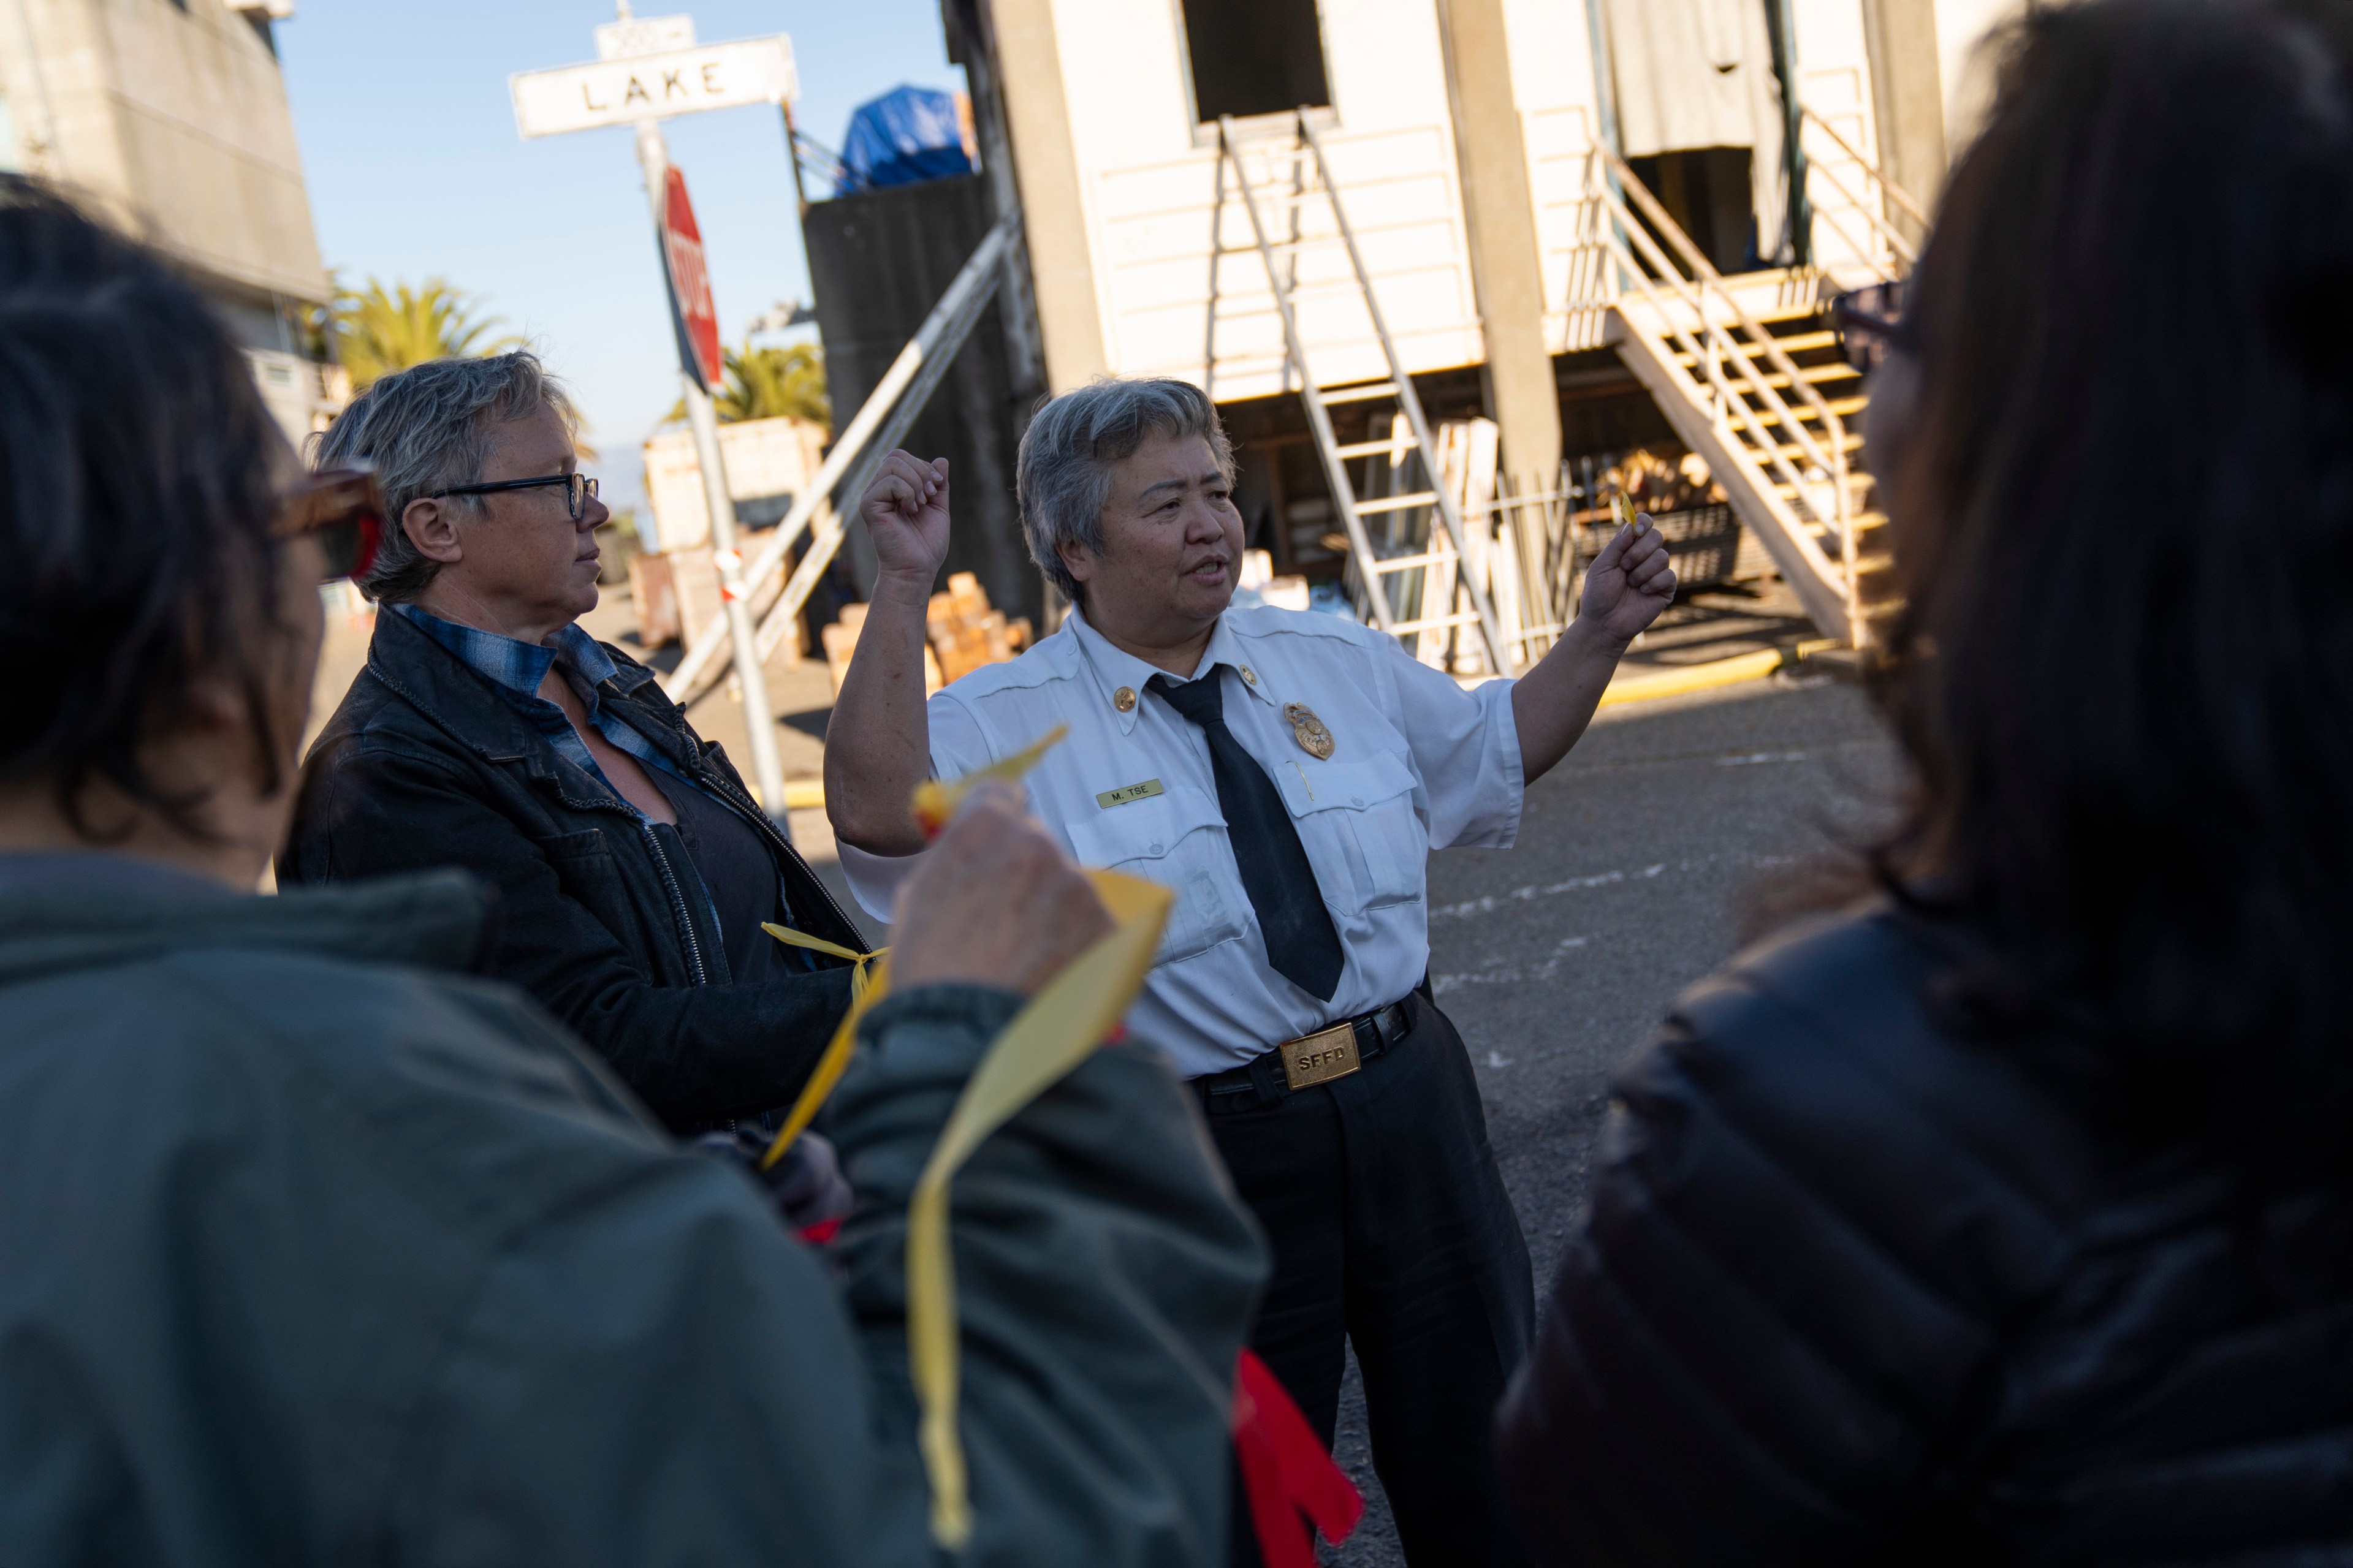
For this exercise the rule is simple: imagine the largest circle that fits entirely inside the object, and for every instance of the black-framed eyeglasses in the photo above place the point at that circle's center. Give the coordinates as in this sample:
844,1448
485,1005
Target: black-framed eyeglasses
1871,324
578,488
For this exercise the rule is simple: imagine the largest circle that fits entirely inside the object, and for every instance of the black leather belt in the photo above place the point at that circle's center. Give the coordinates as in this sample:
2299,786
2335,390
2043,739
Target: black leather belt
1332,1052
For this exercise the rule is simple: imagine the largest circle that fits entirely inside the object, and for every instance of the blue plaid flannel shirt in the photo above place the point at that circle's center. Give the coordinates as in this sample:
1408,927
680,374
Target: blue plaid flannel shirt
516,668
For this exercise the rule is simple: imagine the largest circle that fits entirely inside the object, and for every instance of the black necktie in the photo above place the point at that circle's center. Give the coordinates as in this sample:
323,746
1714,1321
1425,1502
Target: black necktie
1301,942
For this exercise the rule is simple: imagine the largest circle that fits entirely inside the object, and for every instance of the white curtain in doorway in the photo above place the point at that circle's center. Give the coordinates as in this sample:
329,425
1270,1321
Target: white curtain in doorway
1699,73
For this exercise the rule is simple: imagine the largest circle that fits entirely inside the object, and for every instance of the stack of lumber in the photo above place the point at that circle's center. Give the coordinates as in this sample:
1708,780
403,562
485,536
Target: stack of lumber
964,633
841,641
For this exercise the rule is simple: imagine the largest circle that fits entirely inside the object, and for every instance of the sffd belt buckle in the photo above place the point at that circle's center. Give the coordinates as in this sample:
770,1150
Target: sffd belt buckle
1321,1056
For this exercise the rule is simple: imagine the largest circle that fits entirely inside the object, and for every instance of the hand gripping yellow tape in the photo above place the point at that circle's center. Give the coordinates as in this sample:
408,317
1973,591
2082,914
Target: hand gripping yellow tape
869,981
936,801
1060,1028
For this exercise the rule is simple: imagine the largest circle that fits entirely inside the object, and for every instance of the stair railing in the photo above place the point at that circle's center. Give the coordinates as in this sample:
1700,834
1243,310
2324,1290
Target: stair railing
1888,190
1699,284
1887,187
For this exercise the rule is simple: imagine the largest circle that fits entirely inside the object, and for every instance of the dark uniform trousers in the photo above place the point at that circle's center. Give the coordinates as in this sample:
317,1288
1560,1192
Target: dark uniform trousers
1392,1229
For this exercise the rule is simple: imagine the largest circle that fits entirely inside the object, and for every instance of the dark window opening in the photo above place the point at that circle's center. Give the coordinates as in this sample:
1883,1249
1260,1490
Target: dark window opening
1255,57
1707,190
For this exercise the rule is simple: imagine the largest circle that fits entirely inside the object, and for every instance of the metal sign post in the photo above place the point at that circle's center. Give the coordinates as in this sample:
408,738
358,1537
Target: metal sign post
700,365
650,70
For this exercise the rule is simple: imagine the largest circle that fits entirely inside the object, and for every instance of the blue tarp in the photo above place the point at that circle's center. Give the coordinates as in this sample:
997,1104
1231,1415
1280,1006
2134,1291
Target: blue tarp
906,136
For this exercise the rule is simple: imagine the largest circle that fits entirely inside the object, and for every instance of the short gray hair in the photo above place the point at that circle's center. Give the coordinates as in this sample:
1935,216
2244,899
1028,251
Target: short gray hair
1074,441
426,428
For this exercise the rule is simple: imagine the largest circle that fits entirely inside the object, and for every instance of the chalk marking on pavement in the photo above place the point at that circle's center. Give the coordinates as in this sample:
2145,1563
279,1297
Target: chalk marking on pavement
1493,901
1439,985
1829,756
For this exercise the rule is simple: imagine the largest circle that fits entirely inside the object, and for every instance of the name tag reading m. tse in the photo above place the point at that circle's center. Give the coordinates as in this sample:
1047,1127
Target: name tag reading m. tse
1126,792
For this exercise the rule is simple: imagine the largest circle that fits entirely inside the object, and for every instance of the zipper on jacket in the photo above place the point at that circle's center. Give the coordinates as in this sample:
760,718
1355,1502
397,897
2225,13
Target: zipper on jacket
677,903
749,809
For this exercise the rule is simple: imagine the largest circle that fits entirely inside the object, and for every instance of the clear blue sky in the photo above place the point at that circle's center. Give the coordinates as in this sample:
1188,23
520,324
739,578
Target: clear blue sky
415,171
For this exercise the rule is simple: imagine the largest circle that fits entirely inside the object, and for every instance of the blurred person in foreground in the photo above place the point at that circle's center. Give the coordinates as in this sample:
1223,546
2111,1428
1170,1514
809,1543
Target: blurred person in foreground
490,732
2007,1217
320,1249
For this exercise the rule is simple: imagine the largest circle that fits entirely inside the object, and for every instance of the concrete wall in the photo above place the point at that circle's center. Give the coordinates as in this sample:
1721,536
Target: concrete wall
172,119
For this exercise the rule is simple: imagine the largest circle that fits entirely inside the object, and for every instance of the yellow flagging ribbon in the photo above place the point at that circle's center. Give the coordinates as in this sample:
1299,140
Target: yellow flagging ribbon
1058,1029
936,801
869,981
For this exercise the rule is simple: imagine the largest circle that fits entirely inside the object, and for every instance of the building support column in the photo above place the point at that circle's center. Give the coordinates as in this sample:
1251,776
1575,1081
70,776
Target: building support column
1907,95
1037,113
1500,215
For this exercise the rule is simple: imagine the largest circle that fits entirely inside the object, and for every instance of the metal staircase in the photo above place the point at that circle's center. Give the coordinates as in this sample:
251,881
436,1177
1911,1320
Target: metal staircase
1291,177
1748,371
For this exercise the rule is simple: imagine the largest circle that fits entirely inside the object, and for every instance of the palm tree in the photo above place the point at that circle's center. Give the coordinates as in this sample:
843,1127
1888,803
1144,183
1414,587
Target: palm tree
376,333
771,383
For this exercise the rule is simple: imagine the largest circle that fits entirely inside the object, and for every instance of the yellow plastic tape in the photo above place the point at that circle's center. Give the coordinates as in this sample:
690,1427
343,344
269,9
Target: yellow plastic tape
869,982
1058,1029
936,801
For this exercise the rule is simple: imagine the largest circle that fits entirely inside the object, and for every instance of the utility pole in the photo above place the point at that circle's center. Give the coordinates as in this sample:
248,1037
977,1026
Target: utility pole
759,714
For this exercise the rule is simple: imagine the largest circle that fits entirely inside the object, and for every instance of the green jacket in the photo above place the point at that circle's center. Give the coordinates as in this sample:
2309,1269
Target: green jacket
318,1250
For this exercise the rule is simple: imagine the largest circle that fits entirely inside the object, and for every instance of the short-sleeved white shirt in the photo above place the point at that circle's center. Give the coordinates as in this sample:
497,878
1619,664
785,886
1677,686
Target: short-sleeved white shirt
1418,762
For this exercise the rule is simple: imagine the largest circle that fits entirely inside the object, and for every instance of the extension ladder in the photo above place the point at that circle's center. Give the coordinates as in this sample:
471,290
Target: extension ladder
1309,178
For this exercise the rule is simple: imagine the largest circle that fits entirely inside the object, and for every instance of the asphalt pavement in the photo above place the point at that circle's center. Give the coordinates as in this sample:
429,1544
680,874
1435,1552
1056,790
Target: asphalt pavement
1640,861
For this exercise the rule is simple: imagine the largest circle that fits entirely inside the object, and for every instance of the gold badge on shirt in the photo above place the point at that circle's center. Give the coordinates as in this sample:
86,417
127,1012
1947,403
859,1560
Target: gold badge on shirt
1308,731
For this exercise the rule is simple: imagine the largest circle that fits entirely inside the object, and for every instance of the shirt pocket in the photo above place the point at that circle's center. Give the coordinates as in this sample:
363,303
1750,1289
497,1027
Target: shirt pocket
1361,818
1177,840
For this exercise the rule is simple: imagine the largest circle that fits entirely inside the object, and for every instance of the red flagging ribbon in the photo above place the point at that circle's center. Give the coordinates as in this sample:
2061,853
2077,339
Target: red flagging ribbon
1286,1471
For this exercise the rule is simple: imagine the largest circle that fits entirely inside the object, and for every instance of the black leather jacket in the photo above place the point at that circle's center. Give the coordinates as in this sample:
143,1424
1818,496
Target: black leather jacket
605,920
1853,1291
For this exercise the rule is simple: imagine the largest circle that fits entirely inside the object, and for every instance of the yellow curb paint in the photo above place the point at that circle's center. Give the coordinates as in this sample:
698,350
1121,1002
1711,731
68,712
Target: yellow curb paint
1716,672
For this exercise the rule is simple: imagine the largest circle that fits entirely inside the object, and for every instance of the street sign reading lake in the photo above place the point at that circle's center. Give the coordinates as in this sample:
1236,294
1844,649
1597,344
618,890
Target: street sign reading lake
654,86
690,283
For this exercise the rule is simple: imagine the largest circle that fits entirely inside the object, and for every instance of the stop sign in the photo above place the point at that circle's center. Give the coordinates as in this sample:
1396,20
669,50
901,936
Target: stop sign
690,286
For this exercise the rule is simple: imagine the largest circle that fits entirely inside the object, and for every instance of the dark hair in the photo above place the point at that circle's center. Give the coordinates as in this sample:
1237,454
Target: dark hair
2123,526
138,484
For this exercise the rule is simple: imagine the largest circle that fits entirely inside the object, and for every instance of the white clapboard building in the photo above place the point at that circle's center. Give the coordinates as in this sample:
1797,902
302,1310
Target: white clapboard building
1592,234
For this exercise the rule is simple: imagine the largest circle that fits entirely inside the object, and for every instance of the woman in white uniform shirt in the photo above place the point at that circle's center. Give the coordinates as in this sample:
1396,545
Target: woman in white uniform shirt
1287,775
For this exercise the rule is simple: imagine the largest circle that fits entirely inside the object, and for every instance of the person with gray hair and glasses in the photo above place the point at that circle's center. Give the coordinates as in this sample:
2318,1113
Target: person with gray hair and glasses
1287,774
490,732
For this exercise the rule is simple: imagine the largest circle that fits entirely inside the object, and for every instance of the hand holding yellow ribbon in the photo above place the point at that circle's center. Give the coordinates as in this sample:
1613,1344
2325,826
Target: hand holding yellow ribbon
1060,1028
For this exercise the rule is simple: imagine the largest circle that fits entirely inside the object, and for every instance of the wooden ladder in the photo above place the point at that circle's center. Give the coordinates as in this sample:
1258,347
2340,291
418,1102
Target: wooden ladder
1311,181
